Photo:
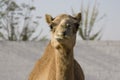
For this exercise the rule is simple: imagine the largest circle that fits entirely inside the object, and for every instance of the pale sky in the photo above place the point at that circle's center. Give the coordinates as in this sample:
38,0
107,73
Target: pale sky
111,8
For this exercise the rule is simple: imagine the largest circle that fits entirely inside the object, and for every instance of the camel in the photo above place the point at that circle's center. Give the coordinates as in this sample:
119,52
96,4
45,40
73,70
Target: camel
57,62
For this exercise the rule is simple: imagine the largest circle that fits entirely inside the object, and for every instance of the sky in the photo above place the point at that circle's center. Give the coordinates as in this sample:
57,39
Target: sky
109,8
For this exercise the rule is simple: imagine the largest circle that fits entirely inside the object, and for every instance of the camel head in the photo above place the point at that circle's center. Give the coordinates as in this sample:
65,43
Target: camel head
63,29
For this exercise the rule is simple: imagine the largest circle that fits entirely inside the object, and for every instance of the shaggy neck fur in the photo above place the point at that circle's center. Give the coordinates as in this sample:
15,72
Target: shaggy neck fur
64,63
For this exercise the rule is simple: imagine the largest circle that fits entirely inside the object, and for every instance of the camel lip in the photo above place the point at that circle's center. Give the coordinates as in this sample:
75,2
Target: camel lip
61,38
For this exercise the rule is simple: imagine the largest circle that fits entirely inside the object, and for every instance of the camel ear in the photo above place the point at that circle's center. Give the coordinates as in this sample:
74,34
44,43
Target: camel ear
78,17
48,18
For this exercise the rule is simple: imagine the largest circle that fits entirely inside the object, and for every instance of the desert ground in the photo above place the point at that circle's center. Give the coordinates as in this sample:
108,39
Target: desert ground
100,60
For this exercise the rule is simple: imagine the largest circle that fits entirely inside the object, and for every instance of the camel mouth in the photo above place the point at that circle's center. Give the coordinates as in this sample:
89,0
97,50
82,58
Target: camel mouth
61,38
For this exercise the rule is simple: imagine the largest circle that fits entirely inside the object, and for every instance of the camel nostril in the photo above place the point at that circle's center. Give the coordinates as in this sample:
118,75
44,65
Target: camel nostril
64,33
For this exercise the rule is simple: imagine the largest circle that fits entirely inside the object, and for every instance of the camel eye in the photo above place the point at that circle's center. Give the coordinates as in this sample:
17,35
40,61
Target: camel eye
51,27
76,25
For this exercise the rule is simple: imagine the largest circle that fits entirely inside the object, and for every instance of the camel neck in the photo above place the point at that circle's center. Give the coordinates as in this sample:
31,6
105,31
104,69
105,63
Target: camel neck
64,64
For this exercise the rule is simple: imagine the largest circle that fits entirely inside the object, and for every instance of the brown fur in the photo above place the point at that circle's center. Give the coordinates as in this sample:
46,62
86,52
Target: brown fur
58,61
